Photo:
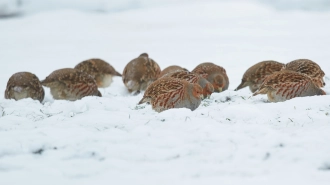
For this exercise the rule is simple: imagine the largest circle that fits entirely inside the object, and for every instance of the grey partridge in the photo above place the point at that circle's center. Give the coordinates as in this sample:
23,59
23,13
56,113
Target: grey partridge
71,84
309,68
24,85
256,74
284,85
215,74
167,93
193,78
171,69
140,72
100,70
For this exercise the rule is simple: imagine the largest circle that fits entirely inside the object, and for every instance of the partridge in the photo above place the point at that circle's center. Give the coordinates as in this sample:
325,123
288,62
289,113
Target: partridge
167,93
309,68
100,70
284,85
256,74
171,69
193,78
215,74
140,72
71,84
24,85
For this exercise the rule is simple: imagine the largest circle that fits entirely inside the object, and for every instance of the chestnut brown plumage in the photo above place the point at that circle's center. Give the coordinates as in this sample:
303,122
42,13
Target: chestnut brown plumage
284,85
99,69
71,84
215,74
309,68
171,69
167,93
256,74
24,85
193,78
140,73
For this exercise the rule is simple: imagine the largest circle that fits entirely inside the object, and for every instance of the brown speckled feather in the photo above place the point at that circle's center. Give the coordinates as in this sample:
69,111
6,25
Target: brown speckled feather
24,85
166,93
71,84
140,72
171,69
193,78
162,86
100,70
256,74
215,74
285,85
309,68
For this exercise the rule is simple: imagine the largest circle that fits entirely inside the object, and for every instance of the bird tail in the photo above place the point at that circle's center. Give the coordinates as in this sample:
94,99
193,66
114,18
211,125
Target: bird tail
144,100
44,82
98,93
242,85
323,92
118,74
141,101
260,91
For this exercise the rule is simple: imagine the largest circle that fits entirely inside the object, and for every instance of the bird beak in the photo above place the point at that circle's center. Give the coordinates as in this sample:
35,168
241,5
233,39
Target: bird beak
201,96
220,89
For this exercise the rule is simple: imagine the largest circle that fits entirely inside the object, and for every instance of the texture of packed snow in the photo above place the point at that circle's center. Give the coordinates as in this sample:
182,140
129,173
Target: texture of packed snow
232,138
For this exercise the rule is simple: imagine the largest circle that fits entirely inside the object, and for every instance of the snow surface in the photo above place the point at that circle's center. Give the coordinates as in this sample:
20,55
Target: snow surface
232,138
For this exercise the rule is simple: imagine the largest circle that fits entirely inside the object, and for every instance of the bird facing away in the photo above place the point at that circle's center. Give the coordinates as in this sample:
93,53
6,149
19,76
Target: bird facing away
309,68
140,73
171,69
71,84
215,74
193,78
24,85
284,85
100,70
167,93
256,74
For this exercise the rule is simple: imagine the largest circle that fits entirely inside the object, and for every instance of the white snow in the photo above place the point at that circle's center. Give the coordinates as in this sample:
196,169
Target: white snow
9,7
232,138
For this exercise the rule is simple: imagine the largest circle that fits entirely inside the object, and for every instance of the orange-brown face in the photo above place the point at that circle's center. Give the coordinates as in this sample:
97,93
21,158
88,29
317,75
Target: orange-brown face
197,91
218,87
218,83
208,90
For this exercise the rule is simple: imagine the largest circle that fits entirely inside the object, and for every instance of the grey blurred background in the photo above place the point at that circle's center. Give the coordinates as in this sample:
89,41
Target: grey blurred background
21,7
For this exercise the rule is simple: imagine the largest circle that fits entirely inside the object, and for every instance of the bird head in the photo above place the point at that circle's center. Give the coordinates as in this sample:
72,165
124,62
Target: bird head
197,91
218,82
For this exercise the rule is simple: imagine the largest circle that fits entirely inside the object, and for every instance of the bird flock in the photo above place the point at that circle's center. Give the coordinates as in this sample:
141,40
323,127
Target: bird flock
172,87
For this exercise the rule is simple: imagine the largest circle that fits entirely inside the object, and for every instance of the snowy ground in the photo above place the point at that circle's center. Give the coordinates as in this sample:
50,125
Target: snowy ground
231,138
